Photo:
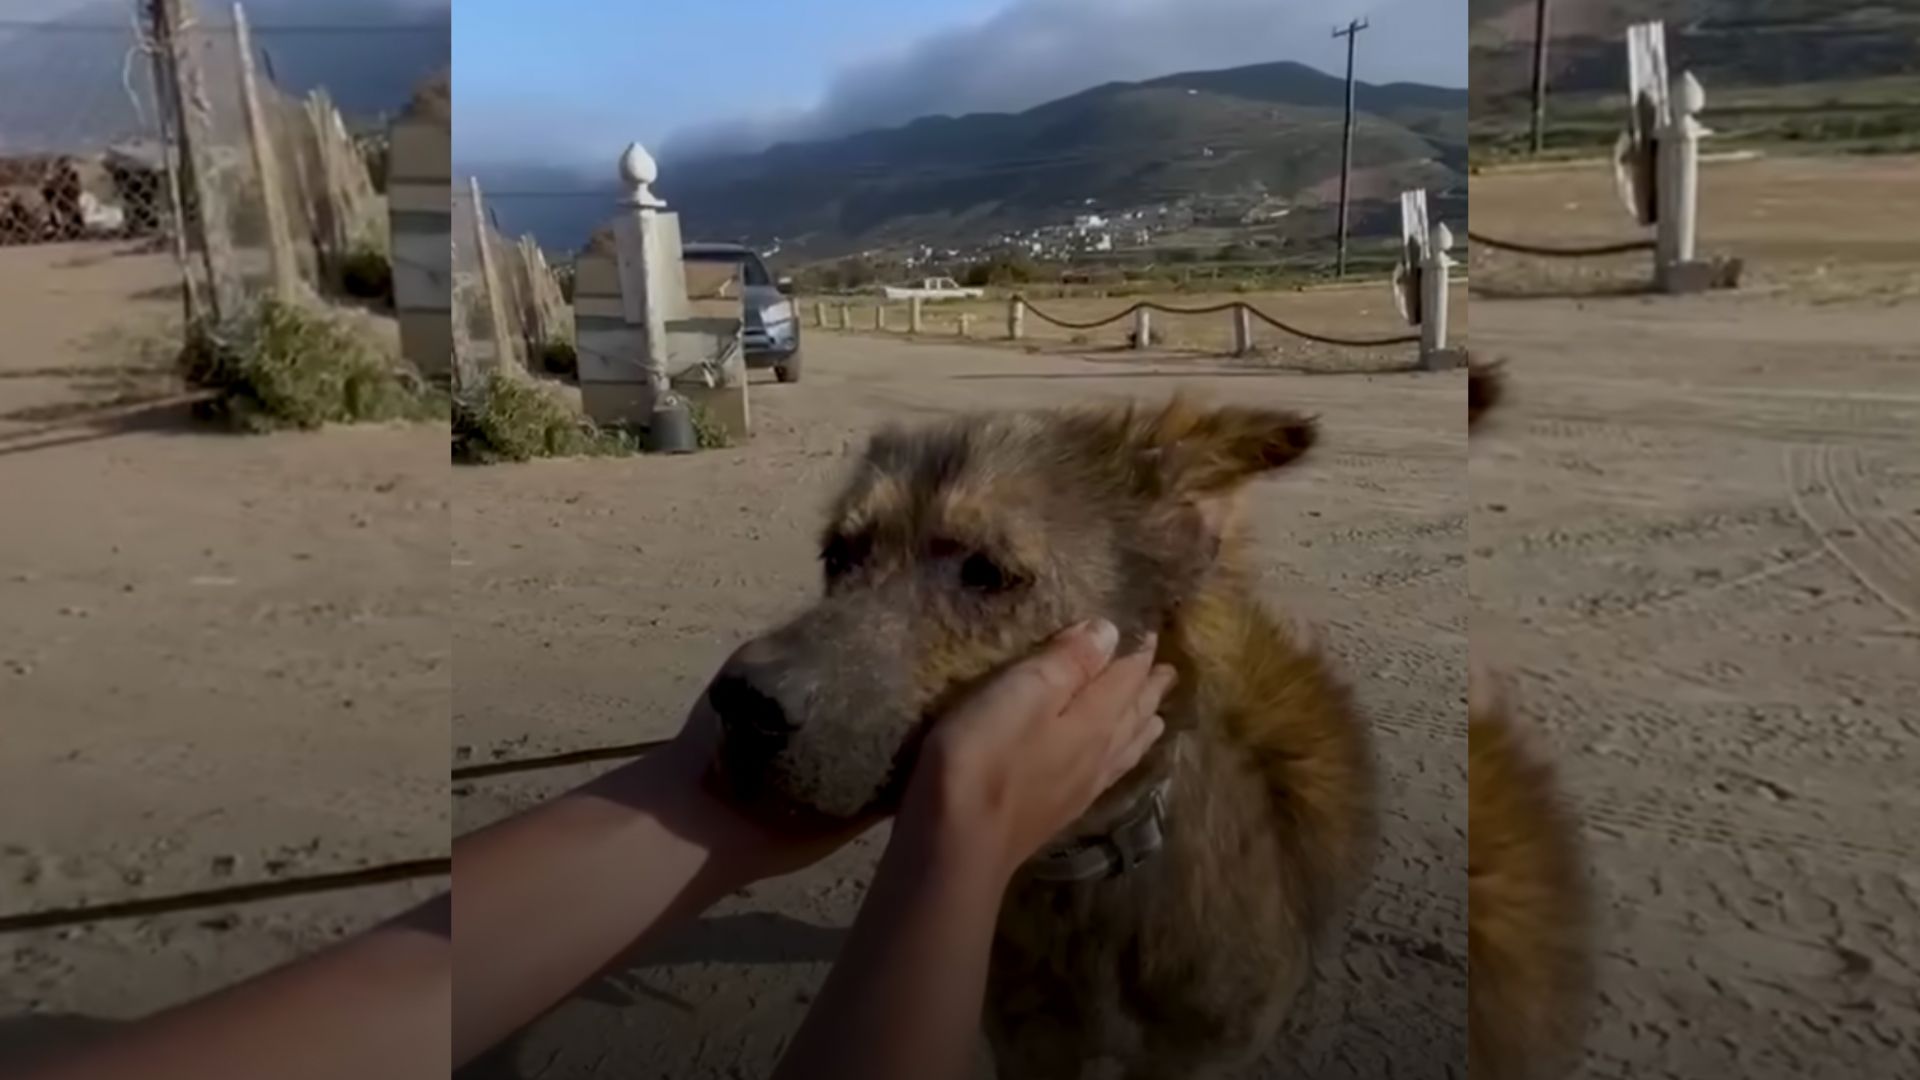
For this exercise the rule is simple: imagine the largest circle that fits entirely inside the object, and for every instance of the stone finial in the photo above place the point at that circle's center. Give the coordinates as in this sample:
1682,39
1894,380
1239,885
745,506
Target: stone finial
1689,97
638,171
1442,237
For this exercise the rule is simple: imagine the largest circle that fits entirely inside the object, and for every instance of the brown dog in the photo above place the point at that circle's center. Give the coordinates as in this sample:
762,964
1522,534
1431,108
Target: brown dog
1529,914
1170,928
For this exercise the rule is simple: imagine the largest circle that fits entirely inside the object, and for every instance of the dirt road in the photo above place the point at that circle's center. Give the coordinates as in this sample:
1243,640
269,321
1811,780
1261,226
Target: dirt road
594,598
1696,535
222,659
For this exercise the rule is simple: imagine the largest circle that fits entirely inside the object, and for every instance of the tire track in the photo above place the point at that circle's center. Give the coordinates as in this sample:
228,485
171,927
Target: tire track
1832,496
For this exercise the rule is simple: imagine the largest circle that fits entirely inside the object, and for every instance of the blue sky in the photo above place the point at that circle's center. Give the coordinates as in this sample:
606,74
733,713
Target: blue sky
567,84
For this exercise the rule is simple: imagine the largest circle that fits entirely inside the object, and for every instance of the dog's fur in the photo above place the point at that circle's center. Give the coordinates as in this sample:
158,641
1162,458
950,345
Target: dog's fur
958,549
1529,916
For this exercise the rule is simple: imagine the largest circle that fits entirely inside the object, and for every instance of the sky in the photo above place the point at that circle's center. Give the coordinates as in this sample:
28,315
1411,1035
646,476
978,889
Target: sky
570,87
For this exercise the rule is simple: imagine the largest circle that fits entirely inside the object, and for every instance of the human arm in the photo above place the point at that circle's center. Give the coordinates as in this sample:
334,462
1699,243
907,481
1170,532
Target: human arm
550,897
373,1007
998,777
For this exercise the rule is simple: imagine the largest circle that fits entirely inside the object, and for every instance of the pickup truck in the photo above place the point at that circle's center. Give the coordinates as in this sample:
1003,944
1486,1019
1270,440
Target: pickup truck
933,288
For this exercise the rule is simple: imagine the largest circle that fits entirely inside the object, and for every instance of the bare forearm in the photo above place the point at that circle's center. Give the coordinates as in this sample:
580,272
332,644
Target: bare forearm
549,898
903,1001
374,1007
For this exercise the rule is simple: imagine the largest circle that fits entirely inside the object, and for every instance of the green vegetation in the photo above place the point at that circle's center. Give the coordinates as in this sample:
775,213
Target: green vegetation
282,365
708,434
518,419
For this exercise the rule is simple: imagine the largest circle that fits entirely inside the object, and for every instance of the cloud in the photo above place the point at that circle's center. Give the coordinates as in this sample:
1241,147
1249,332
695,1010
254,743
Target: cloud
1037,50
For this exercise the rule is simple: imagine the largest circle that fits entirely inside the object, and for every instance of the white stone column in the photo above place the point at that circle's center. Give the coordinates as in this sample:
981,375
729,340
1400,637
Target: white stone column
1016,319
1434,282
1242,330
636,240
1142,328
846,317
1679,185
916,315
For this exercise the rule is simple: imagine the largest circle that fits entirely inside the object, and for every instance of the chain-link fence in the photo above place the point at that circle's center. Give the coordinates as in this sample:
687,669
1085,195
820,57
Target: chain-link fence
507,304
80,155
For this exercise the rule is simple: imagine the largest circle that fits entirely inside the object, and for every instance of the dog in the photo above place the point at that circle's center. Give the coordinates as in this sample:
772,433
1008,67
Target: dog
1170,928
1529,919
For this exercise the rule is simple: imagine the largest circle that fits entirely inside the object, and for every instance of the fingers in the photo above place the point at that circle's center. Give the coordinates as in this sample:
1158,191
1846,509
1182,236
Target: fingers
1130,686
1073,659
1137,740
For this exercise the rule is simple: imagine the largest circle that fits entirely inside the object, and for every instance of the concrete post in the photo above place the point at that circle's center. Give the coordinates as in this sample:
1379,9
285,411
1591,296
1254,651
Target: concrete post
880,317
1679,184
1242,330
966,325
1434,283
1142,328
286,277
846,317
1016,319
638,171
820,314
916,315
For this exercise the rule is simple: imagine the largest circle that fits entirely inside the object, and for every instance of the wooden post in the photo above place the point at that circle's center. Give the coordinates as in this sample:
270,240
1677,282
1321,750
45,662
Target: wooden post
1142,327
1016,319
916,315
503,349
173,144
188,97
1242,330
266,161
1352,34
1539,76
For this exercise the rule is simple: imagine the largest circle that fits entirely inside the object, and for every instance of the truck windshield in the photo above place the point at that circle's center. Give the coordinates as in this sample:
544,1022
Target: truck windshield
753,272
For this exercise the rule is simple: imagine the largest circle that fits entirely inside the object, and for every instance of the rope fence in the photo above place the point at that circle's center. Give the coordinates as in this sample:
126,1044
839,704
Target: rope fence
1620,248
227,896
1215,309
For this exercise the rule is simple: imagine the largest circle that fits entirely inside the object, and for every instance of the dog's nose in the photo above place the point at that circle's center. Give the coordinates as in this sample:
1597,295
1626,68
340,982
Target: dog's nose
744,697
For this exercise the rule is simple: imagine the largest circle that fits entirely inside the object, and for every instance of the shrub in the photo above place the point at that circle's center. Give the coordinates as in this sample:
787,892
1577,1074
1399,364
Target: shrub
516,419
282,365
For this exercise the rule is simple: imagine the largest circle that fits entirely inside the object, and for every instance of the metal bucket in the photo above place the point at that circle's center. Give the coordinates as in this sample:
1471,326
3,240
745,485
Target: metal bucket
670,429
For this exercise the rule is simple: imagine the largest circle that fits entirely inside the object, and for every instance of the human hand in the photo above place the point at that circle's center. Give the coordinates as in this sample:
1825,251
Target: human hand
1032,748
763,843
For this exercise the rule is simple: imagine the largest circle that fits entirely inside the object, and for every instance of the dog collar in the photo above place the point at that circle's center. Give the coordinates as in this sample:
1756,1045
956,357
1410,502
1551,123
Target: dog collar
1132,840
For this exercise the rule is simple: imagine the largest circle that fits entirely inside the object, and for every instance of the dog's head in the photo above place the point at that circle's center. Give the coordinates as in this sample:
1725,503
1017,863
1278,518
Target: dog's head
959,548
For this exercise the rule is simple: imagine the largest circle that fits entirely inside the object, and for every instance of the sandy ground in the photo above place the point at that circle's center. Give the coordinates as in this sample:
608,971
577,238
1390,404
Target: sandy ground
222,659
1696,539
594,598
1361,311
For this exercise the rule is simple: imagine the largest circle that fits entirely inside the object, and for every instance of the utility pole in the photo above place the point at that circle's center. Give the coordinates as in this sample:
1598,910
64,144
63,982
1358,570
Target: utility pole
1351,33
1539,76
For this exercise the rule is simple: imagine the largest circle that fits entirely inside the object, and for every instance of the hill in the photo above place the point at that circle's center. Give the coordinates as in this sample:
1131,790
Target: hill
1239,138
1786,69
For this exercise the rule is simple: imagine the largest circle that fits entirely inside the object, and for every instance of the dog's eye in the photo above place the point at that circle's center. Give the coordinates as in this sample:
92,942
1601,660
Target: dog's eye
843,554
981,574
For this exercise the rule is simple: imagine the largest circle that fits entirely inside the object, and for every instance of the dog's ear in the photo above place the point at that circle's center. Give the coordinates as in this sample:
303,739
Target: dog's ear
1185,450
1211,452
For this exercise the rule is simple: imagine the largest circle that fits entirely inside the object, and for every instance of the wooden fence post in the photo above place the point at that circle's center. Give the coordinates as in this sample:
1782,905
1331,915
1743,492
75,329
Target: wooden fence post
187,94
266,160
503,345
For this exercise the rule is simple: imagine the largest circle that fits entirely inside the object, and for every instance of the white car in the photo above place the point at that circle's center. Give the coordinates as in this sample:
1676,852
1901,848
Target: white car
933,288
